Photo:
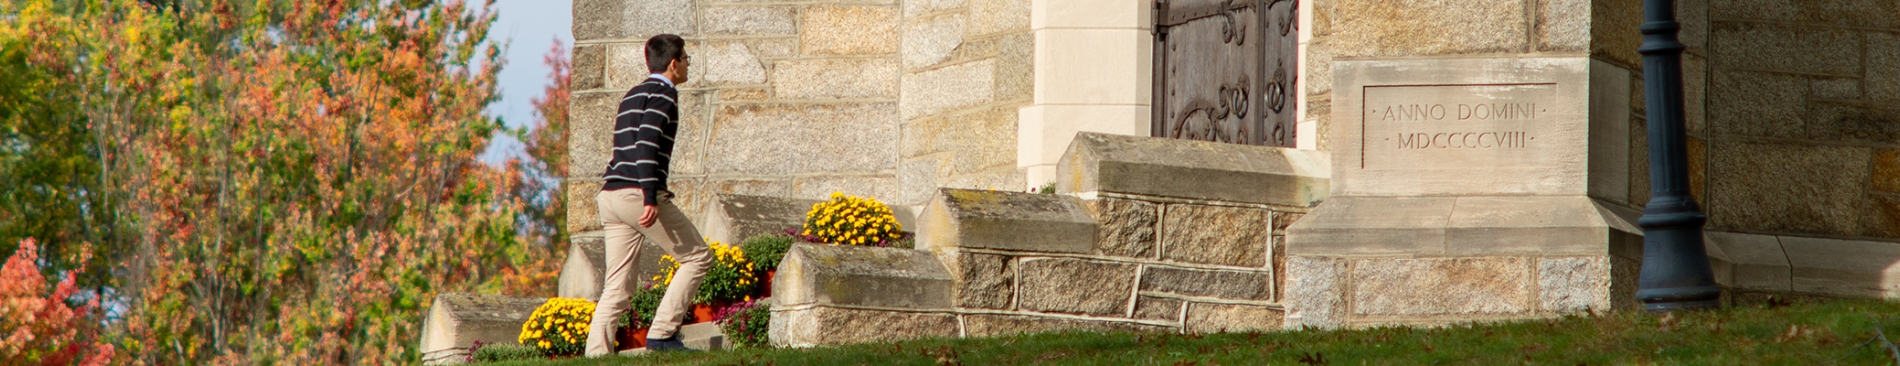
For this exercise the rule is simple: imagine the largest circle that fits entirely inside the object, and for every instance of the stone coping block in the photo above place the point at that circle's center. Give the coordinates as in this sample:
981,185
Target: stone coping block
1748,261
457,320
1097,162
585,270
1859,268
1804,265
822,274
1467,226
963,218
734,218
824,325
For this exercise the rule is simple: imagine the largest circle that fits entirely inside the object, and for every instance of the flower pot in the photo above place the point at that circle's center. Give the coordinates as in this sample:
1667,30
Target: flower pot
627,339
702,313
765,286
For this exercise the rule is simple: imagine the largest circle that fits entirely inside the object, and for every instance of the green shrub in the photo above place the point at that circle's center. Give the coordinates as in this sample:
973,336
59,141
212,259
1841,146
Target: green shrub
747,327
632,319
503,352
767,250
644,304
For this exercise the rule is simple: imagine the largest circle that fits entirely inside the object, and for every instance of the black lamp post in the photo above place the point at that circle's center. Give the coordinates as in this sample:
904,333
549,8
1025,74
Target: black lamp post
1675,267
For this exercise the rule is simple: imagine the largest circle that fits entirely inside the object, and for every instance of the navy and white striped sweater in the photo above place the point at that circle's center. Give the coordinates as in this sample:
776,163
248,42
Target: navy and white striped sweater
643,139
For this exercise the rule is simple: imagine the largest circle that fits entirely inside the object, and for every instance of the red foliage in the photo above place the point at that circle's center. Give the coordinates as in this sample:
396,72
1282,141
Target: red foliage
37,327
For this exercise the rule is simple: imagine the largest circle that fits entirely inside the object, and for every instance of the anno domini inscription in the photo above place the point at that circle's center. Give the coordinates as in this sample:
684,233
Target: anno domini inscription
1404,125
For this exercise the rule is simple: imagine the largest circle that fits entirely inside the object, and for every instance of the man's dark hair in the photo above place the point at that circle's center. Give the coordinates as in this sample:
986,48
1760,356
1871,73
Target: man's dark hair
662,49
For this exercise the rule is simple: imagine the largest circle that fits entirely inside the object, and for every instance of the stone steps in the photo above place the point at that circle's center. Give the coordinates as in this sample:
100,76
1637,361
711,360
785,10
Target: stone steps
701,336
1142,248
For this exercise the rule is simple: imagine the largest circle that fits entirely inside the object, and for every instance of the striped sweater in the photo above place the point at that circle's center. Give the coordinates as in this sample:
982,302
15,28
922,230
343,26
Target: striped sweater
643,139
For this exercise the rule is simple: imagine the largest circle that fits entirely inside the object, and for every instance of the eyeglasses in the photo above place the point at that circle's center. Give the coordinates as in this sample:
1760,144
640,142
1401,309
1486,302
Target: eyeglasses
686,59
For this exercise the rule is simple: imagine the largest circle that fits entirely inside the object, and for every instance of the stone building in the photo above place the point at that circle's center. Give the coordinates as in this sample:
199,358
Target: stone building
1483,159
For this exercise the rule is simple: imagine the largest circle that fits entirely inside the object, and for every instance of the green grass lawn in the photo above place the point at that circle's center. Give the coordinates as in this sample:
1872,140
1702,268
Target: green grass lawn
1822,333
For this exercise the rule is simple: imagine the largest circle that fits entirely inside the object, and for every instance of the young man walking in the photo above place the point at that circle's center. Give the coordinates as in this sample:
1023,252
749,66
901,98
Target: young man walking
635,204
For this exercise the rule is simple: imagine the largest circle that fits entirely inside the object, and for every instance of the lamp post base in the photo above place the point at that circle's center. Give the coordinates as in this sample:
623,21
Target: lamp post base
1665,300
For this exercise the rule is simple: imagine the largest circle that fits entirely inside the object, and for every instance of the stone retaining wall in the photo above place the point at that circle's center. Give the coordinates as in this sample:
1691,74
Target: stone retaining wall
1125,255
1212,269
1154,263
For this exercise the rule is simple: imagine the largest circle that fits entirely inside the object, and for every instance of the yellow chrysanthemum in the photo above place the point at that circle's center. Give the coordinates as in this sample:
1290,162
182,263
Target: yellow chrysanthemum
850,220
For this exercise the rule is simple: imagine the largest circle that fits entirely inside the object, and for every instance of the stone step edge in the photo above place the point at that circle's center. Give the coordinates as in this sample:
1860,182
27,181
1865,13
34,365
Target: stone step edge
960,312
1111,258
717,343
1094,195
705,336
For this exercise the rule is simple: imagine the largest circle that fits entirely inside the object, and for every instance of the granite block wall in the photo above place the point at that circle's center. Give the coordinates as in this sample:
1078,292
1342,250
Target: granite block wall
1803,129
798,99
1157,263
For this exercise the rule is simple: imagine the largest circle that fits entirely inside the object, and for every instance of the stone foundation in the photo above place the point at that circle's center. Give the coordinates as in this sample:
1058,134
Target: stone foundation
1356,292
1154,263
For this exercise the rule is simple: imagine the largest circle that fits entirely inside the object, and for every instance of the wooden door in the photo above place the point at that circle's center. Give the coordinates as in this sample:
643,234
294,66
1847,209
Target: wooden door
1225,69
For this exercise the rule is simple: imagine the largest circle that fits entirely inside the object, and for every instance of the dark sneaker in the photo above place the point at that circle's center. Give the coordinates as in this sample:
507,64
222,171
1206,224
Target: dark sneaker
669,344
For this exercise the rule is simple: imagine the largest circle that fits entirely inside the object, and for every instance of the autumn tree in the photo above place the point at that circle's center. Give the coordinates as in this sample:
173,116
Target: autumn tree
50,170
541,175
278,181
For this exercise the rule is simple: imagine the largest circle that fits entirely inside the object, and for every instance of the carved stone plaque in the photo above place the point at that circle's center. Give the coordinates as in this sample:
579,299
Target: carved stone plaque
1499,126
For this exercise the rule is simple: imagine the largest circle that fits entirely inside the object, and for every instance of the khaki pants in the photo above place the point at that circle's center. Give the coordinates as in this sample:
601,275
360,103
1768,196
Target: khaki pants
620,214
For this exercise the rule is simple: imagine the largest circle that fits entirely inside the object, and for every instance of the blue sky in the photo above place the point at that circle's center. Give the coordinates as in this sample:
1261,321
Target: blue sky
529,28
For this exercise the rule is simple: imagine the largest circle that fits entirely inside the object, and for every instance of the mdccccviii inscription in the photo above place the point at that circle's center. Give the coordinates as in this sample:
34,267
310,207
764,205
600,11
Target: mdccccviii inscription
1462,140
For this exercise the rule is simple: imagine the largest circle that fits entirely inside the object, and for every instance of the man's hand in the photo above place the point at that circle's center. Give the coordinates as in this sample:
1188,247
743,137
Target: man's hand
652,213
